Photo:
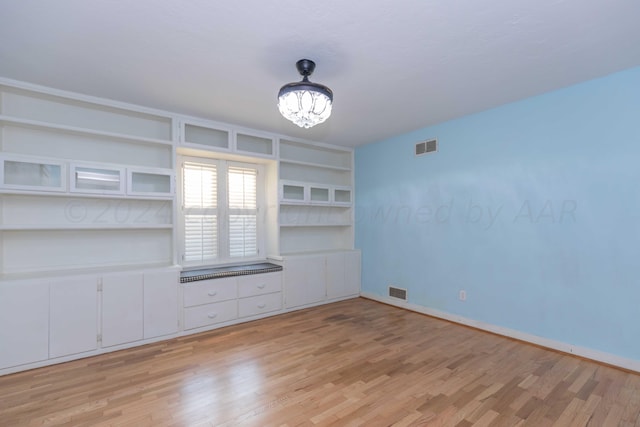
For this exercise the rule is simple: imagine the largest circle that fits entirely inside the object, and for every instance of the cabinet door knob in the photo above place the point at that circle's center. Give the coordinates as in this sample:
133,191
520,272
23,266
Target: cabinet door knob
263,305
212,315
261,286
212,293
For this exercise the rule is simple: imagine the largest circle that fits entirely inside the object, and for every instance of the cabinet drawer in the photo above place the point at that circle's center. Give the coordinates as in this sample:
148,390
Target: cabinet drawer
203,315
259,304
259,284
209,291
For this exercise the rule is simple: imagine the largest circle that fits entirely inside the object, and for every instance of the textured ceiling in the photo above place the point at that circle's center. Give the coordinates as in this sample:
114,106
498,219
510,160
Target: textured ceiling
394,66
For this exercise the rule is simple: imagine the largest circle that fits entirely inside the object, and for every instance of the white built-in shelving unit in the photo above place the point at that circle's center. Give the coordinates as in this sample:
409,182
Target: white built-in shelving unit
84,184
315,198
88,229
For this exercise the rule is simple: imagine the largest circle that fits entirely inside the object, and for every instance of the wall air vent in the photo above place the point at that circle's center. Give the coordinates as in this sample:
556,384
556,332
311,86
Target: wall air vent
398,293
426,147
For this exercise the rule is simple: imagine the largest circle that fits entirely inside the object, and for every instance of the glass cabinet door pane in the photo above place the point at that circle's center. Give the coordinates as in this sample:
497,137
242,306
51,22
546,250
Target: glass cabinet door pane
150,183
319,194
95,179
206,136
254,144
292,192
32,174
342,196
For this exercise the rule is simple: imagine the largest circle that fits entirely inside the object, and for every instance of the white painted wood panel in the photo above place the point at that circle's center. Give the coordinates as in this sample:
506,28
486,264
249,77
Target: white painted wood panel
259,304
336,277
160,303
258,284
304,280
24,322
352,272
210,291
122,308
210,314
343,274
73,316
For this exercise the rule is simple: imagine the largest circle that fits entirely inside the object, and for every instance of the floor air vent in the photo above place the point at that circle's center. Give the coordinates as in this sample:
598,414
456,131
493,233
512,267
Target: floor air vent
398,293
426,147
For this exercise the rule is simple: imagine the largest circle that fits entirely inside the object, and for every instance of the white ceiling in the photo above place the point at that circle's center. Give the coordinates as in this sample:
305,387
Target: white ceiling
393,65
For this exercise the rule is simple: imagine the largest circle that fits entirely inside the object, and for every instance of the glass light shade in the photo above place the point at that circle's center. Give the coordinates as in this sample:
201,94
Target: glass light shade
306,105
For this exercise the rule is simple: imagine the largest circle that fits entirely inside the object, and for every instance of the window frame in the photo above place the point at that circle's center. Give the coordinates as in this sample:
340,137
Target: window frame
223,212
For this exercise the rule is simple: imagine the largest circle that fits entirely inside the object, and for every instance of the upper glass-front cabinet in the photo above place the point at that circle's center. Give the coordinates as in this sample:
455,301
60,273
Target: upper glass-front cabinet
318,195
342,196
210,136
26,173
254,144
205,136
292,192
150,182
96,179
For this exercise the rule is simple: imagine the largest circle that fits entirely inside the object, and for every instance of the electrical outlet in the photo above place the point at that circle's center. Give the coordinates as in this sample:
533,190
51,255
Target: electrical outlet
462,295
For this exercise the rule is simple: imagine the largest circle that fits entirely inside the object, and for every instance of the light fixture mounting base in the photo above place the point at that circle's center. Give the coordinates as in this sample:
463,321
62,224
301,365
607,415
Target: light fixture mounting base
305,67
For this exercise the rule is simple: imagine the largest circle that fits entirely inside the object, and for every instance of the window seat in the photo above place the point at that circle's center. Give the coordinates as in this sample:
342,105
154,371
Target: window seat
221,272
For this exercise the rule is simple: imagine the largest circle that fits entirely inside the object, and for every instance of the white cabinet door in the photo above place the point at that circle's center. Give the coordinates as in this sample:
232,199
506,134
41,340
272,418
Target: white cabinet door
160,303
73,316
304,280
352,273
24,322
336,286
122,308
343,274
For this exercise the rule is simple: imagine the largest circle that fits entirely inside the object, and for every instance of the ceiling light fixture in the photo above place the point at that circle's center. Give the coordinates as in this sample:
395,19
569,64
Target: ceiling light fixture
305,103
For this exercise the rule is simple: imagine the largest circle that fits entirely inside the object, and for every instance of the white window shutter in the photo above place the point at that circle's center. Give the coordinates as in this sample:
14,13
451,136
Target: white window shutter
200,238
243,183
243,211
200,199
200,186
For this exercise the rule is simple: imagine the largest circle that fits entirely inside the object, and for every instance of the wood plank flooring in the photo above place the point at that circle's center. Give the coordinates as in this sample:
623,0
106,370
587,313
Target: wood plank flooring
352,363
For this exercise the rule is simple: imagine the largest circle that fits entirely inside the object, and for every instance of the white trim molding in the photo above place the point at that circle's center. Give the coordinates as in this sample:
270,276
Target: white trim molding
587,353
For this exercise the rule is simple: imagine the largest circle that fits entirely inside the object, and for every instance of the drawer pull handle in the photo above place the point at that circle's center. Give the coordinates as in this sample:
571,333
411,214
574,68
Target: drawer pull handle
263,305
261,286
212,315
212,293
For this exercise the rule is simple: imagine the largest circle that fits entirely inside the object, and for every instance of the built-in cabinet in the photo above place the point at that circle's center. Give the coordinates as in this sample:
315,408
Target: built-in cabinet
138,305
206,135
161,303
208,303
24,322
316,278
88,226
73,315
51,318
122,314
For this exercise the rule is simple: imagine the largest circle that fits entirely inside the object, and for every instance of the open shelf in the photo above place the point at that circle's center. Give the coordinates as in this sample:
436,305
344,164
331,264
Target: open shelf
32,251
315,165
67,113
33,212
34,124
344,224
316,155
86,227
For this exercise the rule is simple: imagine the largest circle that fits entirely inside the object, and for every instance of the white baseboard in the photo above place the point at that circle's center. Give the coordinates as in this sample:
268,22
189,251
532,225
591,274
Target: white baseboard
587,353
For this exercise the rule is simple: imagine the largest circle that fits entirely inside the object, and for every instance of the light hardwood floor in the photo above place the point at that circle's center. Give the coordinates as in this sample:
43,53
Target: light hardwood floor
355,362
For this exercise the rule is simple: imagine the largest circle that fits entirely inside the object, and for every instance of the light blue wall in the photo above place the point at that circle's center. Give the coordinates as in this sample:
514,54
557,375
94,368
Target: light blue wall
533,208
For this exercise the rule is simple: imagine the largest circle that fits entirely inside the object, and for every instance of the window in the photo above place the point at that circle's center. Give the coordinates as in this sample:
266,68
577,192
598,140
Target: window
220,205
